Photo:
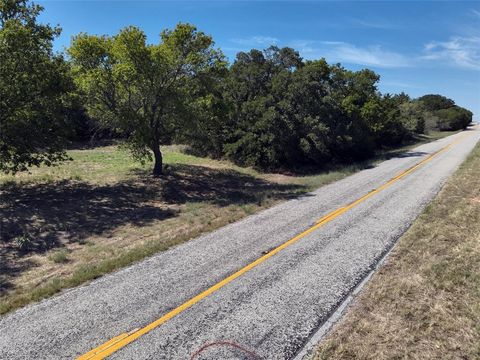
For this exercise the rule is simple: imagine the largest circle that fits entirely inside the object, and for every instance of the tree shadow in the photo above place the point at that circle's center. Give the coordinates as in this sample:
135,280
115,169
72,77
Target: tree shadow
402,154
362,164
35,218
222,187
47,213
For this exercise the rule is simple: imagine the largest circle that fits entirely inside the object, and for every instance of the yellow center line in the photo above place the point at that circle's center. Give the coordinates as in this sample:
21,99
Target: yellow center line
124,339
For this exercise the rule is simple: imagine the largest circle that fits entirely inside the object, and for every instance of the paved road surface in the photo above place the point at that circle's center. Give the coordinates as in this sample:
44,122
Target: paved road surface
272,309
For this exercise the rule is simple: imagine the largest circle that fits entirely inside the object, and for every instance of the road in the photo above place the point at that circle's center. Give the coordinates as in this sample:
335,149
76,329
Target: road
270,308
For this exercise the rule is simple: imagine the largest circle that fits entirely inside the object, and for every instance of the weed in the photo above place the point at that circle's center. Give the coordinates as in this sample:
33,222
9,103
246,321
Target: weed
24,242
59,257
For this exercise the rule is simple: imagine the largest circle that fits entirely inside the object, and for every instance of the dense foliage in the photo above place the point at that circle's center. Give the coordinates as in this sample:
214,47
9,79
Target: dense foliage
146,91
281,112
444,114
285,113
269,109
33,87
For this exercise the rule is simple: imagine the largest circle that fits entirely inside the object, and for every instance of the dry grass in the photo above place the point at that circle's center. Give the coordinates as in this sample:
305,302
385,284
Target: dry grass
65,225
425,302
69,224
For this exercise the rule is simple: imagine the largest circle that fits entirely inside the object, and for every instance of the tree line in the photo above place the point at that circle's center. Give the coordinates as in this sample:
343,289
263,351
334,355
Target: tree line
269,109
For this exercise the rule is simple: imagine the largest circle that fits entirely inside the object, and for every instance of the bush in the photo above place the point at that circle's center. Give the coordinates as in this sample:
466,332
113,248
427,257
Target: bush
274,111
286,113
441,113
24,242
454,118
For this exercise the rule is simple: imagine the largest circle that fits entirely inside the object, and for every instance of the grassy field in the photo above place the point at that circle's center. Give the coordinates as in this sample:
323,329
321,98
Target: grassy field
425,302
65,225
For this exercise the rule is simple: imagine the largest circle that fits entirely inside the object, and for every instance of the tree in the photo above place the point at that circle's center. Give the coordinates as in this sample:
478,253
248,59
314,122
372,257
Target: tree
287,113
442,113
433,102
141,89
316,117
352,90
382,115
454,118
33,85
262,131
412,115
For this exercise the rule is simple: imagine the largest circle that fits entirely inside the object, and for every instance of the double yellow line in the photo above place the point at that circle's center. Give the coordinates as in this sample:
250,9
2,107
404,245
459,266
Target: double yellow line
124,339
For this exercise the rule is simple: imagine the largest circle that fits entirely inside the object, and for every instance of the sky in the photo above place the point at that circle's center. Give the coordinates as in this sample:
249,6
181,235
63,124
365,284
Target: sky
420,47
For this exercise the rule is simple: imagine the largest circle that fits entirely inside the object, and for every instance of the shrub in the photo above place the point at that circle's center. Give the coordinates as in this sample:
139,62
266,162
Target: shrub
59,257
454,118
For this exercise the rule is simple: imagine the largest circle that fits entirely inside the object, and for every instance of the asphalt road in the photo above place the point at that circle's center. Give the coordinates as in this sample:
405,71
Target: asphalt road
271,310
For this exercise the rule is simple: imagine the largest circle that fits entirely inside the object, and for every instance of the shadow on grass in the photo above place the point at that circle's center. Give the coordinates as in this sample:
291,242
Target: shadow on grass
39,217
222,187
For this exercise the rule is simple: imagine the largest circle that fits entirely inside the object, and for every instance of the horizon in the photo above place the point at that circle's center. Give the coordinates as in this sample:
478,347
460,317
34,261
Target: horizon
417,48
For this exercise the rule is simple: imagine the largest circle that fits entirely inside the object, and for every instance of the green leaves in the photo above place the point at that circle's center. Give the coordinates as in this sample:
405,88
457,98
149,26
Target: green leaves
34,83
286,113
269,109
145,90
90,52
446,115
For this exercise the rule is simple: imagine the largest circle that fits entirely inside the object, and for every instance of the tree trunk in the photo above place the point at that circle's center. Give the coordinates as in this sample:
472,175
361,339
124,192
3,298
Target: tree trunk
158,167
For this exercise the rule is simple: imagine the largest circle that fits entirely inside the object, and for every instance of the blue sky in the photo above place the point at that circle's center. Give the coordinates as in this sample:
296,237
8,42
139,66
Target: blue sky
417,47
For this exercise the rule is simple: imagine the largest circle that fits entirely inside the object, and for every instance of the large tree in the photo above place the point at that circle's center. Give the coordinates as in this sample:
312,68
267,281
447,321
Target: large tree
142,89
33,84
262,132
433,102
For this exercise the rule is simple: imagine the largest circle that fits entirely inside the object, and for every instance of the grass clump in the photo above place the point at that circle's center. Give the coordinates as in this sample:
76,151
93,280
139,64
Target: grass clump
59,257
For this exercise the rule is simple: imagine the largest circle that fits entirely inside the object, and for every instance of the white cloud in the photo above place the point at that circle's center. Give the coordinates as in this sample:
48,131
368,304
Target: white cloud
460,51
374,55
304,47
333,42
256,41
476,12
400,84
343,52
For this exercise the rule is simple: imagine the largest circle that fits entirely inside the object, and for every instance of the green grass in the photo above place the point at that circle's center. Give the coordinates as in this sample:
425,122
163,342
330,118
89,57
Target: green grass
59,257
111,163
100,165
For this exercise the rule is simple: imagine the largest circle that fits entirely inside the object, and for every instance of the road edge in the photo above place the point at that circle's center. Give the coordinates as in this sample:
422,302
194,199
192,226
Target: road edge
307,350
